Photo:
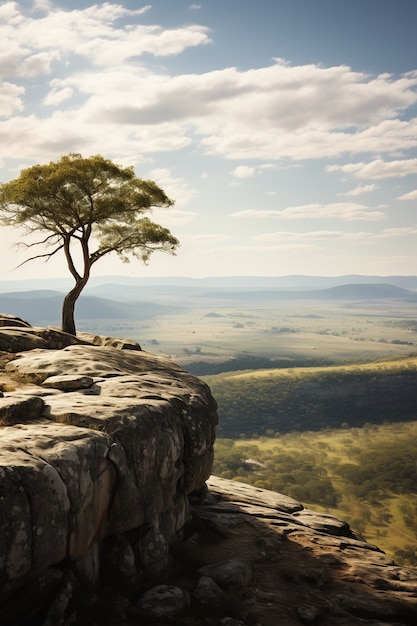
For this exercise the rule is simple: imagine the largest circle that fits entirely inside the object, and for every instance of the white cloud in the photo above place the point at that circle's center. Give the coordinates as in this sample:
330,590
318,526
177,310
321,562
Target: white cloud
341,210
244,171
294,236
205,238
377,169
92,32
311,239
268,113
411,195
173,218
361,189
175,188
111,103
333,235
42,5
247,171
57,96
400,231
10,99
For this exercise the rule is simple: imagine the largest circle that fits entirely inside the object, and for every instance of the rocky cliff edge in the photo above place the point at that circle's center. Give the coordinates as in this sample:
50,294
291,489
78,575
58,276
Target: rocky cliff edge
108,515
95,441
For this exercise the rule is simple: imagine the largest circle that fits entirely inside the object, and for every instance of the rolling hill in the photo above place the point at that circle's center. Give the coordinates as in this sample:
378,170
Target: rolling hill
44,307
346,292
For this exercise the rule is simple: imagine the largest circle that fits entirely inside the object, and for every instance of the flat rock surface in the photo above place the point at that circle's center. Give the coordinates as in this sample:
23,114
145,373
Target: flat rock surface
308,567
95,440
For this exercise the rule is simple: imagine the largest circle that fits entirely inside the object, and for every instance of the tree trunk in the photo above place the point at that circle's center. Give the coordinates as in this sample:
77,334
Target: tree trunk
68,308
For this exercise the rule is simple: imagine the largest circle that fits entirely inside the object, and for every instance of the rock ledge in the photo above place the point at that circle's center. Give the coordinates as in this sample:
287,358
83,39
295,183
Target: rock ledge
97,442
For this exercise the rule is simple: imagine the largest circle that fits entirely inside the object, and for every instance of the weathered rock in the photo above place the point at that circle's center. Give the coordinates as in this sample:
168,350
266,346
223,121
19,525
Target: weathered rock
16,335
308,567
20,409
235,572
164,602
38,592
208,593
19,339
308,614
114,441
240,493
57,485
12,320
152,549
68,382
62,610
56,339
119,563
321,522
110,342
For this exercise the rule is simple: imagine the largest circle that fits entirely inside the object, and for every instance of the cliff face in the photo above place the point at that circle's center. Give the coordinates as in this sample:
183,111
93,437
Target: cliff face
105,515
96,441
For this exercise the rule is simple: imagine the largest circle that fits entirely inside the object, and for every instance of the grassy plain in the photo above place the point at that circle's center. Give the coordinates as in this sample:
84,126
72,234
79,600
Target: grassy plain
213,330
367,476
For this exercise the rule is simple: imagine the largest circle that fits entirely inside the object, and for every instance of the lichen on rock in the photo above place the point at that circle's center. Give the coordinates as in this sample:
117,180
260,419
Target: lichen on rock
95,441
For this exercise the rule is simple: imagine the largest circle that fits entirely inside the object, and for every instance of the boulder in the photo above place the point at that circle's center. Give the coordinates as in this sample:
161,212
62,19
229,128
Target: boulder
165,602
20,409
235,572
97,441
68,382
208,594
110,342
12,320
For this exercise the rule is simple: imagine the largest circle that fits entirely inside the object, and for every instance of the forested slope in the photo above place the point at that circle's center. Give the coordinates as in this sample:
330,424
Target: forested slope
366,476
285,400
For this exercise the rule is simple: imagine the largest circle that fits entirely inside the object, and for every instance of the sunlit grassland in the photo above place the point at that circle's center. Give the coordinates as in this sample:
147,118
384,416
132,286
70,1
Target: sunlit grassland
216,331
383,366
366,476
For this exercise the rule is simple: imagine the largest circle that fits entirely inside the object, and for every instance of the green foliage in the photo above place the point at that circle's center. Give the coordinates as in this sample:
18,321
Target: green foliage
298,474
77,201
69,197
390,464
367,476
314,398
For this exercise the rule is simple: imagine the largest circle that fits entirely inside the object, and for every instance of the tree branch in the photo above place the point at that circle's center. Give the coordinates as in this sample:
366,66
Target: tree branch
40,256
46,241
70,262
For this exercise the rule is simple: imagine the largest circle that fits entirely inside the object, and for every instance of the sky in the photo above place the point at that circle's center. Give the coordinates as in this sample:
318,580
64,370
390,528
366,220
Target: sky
285,130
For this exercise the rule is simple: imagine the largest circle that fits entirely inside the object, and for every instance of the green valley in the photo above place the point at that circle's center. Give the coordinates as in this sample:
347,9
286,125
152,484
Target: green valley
366,476
266,401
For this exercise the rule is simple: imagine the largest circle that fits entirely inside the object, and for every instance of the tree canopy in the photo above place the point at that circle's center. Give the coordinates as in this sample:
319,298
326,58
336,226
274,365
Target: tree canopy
88,205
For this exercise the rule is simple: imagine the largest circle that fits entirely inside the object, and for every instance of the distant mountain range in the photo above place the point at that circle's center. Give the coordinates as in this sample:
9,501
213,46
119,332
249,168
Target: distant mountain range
98,285
341,292
136,299
43,307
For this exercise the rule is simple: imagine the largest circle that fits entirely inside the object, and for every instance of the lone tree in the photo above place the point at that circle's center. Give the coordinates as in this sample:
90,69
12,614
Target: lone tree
87,207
